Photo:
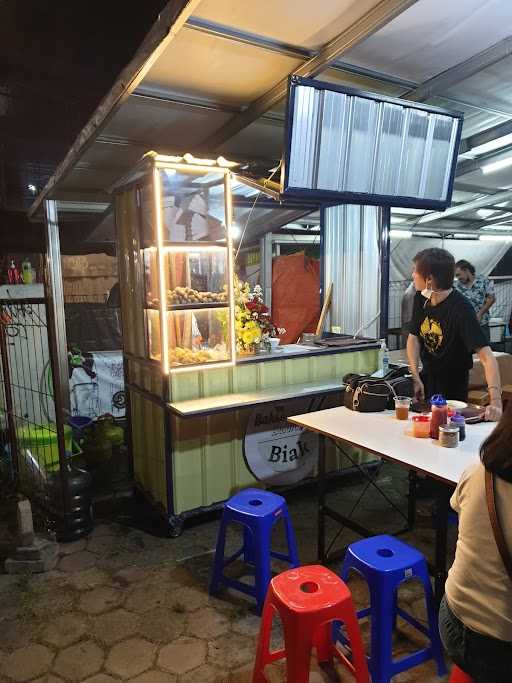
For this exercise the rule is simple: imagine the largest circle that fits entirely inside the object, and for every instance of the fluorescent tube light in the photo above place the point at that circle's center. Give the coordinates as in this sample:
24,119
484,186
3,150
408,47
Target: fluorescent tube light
490,146
485,213
497,165
496,238
400,234
465,236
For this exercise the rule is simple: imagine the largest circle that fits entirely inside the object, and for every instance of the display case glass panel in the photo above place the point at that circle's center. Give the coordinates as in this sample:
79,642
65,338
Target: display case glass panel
193,206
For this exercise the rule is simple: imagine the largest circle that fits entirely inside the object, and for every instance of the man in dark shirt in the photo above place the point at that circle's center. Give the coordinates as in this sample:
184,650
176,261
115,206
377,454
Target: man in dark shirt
445,333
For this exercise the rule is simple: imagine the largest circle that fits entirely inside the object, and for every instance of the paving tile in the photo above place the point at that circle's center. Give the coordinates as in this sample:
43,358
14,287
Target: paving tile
114,626
27,663
188,599
205,674
64,630
101,678
182,655
100,600
132,574
230,652
89,578
207,623
74,547
103,545
130,658
17,633
49,678
145,598
79,661
162,625
77,562
154,676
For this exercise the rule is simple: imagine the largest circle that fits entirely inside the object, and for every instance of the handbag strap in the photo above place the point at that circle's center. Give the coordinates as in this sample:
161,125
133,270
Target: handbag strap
495,522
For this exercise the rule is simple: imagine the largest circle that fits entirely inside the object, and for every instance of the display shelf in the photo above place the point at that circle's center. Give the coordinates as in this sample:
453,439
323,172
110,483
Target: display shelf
189,307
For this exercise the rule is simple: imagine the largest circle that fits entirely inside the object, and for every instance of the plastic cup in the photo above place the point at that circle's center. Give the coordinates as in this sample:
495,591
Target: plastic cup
402,405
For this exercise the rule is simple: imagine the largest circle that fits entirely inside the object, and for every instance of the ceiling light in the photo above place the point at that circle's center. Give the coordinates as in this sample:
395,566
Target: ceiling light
490,146
465,236
32,188
410,212
497,227
496,238
235,231
398,219
485,213
400,234
503,204
497,165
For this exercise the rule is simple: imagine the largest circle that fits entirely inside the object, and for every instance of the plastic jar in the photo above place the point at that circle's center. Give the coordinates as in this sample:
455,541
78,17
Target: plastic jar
460,422
421,426
402,405
439,414
448,436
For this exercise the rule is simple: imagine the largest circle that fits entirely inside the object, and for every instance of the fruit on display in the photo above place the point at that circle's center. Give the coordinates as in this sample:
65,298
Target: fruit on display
181,356
187,295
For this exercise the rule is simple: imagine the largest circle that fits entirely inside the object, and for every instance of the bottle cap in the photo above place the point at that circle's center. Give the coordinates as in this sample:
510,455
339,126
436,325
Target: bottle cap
421,418
459,419
438,400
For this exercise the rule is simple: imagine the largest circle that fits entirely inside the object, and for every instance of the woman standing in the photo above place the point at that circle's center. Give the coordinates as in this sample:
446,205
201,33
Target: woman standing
475,618
445,333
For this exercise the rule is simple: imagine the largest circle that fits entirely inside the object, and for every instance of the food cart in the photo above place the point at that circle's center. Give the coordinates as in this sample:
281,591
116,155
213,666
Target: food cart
206,420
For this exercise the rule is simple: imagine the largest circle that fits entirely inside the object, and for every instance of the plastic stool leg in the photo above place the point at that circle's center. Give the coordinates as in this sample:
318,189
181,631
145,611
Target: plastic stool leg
263,647
291,540
297,643
248,544
359,660
218,562
323,643
459,676
433,623
381,633
262,566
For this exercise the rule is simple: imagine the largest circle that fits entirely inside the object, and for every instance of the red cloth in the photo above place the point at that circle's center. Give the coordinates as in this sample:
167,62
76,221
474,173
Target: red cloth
295,295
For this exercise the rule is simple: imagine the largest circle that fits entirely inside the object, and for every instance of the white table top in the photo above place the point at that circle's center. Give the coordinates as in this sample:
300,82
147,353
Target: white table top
384,435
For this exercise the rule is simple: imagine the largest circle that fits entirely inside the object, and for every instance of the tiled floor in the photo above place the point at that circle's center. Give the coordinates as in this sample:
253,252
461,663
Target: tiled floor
127,605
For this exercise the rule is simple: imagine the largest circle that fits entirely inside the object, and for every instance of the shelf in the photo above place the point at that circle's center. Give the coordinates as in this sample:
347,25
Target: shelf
189,307
188,246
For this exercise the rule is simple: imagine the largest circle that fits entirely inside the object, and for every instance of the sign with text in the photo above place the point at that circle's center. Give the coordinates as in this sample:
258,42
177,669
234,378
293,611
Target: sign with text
276,451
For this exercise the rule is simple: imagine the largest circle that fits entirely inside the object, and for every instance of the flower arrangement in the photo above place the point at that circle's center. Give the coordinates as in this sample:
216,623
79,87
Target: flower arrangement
253,324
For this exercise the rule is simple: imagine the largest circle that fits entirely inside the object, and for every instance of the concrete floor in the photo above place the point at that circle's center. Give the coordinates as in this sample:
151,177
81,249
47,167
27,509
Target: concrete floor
124,604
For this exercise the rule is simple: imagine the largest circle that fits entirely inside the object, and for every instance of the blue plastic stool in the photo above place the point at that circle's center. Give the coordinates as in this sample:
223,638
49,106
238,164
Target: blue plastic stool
385,562
257,511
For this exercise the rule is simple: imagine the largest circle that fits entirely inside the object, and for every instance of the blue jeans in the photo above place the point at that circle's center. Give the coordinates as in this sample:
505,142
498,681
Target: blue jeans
485,659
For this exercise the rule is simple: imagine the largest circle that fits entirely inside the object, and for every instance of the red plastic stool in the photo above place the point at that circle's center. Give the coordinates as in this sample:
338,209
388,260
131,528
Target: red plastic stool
458,676
308,599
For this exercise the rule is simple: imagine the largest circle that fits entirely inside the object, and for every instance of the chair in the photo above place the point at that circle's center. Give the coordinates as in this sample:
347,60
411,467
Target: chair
385,562
256,511
458,676
307,600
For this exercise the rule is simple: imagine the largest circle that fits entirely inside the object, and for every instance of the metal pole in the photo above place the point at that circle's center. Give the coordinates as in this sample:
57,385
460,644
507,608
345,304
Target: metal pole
384,225
57,343
6,376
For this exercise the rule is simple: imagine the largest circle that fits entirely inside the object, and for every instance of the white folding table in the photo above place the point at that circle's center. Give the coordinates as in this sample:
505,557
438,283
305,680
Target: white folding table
391,439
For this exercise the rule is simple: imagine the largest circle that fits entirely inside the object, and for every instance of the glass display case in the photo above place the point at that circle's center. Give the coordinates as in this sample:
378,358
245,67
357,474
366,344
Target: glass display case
185,217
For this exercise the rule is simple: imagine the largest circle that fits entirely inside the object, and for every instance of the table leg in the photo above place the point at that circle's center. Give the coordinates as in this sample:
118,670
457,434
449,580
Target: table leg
321,499
442,509
411,501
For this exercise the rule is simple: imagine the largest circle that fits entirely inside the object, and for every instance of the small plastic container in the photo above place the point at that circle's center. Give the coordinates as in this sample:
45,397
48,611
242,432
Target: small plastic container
421,426
460,422
448,436
439,414
402,405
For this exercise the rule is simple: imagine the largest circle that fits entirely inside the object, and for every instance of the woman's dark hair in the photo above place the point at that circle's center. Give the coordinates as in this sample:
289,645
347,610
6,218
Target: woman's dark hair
465,265
438,264
496,450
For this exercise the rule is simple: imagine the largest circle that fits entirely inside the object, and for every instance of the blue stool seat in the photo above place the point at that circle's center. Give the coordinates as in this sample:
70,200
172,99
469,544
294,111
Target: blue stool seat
257,511
385,562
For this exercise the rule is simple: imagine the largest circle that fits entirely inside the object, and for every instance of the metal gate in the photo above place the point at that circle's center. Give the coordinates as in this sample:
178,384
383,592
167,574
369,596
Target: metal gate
32,460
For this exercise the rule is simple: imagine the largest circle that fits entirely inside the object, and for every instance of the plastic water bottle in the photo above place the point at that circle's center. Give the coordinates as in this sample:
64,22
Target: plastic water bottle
384,357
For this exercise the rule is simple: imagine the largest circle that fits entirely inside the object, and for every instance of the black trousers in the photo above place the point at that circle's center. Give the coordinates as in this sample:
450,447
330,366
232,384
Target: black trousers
452,384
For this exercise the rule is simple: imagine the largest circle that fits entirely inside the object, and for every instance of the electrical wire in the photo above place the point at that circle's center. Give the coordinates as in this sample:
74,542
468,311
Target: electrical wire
253,207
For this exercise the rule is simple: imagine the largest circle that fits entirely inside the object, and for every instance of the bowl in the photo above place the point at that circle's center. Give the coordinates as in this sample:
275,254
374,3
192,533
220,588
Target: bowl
456,405
274,342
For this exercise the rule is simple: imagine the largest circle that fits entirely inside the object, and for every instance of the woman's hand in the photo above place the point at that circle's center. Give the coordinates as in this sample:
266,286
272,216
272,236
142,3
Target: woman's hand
493,412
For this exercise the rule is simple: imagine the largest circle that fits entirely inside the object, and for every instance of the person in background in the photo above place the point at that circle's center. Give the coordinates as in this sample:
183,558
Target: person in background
407,307
478,290
475,617
445,333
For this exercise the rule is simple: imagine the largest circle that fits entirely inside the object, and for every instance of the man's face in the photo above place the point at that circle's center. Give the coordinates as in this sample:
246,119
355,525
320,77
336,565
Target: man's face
463,276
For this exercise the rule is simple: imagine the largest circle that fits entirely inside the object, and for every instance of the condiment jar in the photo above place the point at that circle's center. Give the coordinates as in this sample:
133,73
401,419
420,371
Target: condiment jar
460,422
448,436
421,426
439,414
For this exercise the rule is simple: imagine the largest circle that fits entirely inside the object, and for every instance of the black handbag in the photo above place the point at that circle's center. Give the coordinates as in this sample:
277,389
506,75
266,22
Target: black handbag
368,394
